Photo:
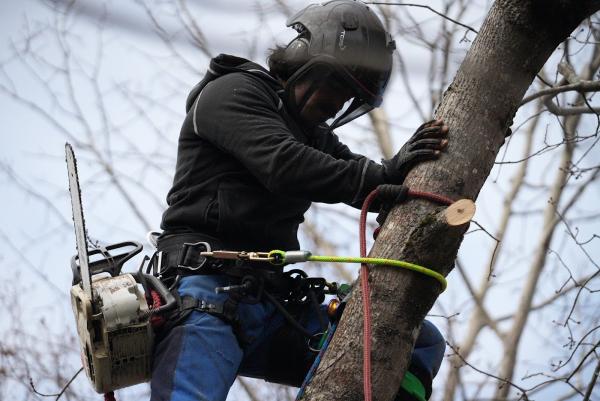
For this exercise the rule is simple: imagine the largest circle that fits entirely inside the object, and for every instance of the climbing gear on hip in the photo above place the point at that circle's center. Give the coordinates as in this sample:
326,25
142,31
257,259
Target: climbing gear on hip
249,280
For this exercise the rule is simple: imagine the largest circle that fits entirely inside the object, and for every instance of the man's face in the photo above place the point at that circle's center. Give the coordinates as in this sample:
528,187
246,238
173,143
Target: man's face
324,103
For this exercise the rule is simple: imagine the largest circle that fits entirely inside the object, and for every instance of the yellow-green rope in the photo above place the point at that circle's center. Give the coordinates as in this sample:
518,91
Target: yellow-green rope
278,257
386,262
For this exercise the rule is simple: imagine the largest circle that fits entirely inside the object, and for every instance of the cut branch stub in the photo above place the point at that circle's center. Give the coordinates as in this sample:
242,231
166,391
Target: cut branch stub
460,212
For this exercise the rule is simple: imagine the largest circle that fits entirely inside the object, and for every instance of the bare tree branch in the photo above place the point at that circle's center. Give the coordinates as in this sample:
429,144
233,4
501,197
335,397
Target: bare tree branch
61,392
430,9
582,86
592,382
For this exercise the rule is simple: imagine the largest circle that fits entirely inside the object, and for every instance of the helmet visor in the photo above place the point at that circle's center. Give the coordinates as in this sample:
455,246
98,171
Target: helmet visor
322,91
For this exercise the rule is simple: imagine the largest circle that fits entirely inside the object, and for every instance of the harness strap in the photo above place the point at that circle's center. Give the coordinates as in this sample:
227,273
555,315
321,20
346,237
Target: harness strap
226,310
183,255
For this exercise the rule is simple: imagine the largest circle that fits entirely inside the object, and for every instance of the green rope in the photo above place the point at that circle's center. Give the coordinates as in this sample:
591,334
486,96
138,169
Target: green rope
278,257
386,262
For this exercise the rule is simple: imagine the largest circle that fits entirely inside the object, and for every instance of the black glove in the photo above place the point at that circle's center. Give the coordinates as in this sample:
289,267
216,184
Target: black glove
389,195
425,144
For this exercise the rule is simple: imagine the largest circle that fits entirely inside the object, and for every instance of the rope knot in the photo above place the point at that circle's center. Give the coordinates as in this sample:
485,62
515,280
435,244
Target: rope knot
389,195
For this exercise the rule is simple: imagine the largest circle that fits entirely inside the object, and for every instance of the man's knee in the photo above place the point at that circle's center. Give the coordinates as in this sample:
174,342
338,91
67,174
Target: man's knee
425,362
196,360
429,348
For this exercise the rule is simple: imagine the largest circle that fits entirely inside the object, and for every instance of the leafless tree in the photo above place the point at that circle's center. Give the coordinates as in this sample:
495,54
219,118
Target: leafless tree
527,272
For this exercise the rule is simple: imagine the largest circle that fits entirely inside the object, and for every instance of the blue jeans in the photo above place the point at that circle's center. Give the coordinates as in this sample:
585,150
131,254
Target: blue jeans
200,359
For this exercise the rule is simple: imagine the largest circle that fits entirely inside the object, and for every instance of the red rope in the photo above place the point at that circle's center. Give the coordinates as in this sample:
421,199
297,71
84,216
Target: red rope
364,279
110,396
429,196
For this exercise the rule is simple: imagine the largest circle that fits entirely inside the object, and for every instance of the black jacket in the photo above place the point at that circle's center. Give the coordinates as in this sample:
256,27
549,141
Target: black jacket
247,172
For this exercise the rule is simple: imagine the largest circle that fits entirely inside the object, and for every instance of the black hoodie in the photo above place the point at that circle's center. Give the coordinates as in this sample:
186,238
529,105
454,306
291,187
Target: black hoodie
247,172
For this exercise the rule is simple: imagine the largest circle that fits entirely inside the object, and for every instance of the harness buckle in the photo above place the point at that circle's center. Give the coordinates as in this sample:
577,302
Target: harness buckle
158,267
191,257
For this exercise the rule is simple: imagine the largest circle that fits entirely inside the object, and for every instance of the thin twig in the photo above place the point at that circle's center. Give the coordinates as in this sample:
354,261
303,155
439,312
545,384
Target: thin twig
590,388
491,272
428,8
582,86
23,257
521,389
61,392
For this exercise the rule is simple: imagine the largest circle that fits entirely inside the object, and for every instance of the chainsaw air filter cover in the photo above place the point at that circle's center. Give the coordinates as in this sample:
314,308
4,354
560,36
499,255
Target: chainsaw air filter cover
115,332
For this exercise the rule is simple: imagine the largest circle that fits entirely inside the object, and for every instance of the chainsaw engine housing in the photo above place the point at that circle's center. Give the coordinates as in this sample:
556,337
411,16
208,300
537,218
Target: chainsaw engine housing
115,333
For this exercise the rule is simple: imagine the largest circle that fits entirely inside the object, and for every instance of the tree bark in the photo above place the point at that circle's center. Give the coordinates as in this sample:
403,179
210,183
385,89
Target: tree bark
514,42
478,319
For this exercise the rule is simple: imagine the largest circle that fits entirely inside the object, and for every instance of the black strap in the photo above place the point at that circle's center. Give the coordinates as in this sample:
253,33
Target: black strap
226,311
180,255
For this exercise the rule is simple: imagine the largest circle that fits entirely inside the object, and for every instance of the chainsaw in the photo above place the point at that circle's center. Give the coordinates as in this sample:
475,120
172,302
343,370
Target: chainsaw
111,307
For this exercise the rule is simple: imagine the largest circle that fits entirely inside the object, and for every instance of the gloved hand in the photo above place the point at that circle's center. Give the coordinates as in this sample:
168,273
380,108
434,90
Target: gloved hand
389,195
427,143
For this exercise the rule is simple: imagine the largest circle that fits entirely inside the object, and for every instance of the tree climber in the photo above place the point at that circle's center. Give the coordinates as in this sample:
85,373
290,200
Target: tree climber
254,151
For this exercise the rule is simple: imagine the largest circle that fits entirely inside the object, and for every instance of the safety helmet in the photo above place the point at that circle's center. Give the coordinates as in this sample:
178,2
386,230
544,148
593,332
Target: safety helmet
342,40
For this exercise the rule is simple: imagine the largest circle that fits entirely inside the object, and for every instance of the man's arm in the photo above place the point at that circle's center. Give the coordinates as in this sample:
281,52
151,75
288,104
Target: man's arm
427,143
239,115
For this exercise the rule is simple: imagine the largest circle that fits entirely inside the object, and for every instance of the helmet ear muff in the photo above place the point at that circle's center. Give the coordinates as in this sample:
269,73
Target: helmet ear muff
297,50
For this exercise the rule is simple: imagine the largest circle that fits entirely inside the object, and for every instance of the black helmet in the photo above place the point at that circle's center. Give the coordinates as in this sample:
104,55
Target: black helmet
344,40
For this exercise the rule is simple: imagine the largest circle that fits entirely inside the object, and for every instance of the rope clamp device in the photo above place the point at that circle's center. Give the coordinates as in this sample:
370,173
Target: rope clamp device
289,257
239,255
275,257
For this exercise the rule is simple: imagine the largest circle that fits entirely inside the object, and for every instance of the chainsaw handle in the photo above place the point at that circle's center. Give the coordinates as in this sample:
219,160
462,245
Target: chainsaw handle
162,290
110,263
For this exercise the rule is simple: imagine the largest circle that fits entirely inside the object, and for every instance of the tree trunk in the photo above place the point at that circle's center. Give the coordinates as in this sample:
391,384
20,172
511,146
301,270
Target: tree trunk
478,319
514,42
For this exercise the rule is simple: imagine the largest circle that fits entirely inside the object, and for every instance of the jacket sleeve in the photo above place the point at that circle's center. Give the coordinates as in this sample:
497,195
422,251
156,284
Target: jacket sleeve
239,115
340,151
